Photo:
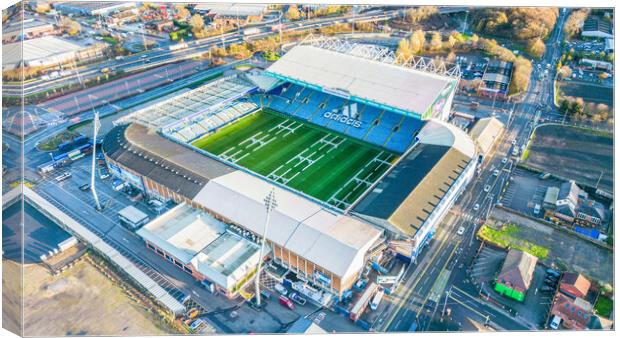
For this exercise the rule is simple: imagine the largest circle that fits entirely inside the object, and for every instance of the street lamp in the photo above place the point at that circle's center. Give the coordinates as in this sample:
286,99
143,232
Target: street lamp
270,205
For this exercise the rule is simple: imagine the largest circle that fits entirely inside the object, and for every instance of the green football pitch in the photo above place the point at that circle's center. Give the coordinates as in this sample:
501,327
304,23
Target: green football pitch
316,161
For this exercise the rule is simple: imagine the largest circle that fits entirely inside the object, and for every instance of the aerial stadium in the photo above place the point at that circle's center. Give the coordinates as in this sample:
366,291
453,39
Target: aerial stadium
353,140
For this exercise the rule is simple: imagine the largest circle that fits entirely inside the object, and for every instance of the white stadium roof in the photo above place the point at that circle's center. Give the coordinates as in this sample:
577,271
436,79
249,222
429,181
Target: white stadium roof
337,243
384,83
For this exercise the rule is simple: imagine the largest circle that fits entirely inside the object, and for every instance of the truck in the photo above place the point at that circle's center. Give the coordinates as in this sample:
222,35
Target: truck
250,31
363,301
178,46
376,300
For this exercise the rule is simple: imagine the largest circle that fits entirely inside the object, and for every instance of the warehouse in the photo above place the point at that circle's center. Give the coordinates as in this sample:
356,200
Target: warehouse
201,246
48,51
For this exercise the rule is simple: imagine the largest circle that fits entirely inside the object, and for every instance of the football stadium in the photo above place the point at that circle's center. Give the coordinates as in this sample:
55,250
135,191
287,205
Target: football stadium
352,140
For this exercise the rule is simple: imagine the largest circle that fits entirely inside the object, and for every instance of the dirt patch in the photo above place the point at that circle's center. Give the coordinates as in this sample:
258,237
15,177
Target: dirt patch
82,301
573,153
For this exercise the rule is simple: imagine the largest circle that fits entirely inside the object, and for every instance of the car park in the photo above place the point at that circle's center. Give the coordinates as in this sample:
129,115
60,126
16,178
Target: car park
297,298
286,302
281,289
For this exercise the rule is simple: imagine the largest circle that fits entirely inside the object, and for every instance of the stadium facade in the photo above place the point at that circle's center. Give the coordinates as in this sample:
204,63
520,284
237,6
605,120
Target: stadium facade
333,94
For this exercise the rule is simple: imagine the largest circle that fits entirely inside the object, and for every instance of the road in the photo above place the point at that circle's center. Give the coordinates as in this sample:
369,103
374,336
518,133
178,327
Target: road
411,301
160,56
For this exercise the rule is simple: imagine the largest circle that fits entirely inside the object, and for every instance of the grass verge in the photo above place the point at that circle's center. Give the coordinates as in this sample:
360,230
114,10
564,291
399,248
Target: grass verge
506,237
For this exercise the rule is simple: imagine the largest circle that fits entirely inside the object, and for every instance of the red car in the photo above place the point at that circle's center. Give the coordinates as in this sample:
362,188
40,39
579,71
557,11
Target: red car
284,301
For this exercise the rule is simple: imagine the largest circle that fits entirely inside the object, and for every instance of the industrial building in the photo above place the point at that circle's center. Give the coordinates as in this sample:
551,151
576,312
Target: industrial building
485,133
92,8
203,246
29,28
48,51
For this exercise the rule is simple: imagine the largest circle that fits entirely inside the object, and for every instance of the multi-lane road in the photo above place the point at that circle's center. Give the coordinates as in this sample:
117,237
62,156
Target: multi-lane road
449,253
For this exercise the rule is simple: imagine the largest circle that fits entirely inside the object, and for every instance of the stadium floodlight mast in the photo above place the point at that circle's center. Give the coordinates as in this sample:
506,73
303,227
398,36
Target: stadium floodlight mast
96,126
270,205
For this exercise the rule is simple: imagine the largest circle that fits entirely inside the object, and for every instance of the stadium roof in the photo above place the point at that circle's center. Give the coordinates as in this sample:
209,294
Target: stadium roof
372,81
183,231
191,104
180,169
405,198
337,243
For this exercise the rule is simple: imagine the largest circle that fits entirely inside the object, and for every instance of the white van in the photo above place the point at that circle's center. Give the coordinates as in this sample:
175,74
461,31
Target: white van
555,322
536,209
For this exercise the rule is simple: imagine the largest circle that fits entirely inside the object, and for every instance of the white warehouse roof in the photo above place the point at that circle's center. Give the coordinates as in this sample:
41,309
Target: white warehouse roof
42,50
337,243
388,84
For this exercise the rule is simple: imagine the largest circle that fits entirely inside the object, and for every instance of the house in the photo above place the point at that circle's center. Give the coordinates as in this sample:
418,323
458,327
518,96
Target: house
590,213
567,201
496,79
516,275
161,25
597,28
574,285
575,313
551,198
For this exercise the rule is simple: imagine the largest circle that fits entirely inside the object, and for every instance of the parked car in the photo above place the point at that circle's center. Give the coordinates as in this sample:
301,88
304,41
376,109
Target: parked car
504,160
298,299
551,282
495,172
555,322
265,294
553,272
476,207
487,188
281,289
284,301
460,231
85,187
547,289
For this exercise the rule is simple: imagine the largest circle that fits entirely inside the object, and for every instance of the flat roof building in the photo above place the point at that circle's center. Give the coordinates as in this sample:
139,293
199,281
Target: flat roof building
595,27
496,78
485,133
132,217
92,7
200,245
47,51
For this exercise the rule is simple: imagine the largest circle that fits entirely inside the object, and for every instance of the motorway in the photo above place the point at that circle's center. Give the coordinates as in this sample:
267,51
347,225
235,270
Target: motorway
160,56
412,300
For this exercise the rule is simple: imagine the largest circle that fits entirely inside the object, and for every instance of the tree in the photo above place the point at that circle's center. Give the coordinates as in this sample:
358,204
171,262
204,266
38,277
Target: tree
574,22
292,13
435,44
415,15
197,23
416,41
182,12
577,106
536,48
69,26
564,106
565,72
403,52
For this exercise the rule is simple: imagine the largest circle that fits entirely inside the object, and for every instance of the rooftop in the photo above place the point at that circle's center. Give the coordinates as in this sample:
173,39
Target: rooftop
377,82
232,9
593,24
183,231
518,270
406,196
227,255
132,214
35,49
485,132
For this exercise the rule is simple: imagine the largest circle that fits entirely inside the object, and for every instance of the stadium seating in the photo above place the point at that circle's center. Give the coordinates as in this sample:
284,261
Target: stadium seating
202,124
386,129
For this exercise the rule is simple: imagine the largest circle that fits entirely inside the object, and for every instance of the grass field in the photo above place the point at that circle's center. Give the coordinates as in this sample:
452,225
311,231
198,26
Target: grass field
321,163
